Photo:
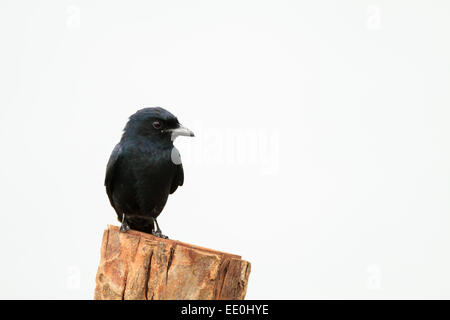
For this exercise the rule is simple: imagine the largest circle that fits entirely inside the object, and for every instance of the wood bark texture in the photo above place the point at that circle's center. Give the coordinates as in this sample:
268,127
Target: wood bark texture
140,266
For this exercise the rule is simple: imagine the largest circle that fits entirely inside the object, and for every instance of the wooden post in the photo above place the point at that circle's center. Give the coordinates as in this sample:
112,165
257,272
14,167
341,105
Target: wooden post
140,266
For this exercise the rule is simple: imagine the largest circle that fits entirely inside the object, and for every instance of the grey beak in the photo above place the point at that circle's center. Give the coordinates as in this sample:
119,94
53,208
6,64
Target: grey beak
181,131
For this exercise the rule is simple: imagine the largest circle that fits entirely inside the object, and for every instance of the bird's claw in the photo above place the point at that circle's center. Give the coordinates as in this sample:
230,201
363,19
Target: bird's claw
159,234
124,228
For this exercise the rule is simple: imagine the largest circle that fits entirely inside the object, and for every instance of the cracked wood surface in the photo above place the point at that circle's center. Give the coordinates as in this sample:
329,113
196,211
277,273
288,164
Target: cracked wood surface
139,266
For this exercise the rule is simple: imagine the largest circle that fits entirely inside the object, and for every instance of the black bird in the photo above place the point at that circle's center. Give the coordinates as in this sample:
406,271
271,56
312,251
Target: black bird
144,168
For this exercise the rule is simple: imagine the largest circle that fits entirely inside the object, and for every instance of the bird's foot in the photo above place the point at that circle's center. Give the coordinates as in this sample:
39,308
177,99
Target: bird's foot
124,227
159,234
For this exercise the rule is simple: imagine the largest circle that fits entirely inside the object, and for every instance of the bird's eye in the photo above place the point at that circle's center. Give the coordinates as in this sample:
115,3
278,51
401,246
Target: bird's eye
156,125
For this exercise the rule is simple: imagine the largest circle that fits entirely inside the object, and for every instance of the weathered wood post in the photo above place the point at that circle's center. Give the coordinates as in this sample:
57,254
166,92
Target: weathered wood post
140,266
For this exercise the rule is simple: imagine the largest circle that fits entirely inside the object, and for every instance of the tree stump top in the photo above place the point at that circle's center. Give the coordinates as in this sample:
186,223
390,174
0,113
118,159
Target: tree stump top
137,265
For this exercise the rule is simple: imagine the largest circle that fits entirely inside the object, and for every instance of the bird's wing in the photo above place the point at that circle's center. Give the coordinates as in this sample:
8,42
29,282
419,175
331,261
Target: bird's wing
178,178
111,168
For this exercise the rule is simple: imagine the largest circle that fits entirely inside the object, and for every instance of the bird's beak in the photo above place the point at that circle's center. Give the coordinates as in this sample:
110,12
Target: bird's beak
181,131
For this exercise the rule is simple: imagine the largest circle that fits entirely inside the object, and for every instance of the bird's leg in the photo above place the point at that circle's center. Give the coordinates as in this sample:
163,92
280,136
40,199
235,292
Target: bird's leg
158,232
124,227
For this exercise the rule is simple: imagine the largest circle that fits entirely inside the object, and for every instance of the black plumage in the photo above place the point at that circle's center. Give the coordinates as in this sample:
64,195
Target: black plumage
144,168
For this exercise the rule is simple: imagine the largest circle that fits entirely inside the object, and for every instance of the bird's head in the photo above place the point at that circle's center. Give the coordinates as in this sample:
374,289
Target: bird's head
157,124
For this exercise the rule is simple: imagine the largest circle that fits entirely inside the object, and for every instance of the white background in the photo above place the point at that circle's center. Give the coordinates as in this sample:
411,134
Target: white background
322,148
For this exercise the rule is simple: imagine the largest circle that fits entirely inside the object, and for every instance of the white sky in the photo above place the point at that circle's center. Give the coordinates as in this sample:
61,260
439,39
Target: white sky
322,148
